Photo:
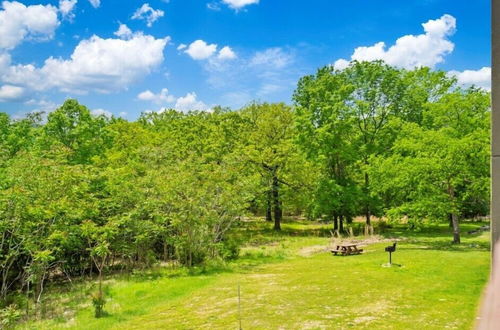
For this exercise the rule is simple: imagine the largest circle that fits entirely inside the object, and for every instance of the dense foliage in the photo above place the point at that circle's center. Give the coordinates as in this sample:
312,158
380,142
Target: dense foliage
82,193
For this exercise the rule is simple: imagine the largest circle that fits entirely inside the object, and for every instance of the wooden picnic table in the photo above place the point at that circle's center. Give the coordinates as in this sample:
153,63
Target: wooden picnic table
346,249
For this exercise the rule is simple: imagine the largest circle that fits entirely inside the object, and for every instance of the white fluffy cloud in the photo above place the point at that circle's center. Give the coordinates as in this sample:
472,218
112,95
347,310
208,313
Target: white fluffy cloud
123,32
101,65
18,22
200,50
238,4
41,105
95,3
150,15
161,98
480,78
11,93
5,61
184,103
66,8
409,51
101,112
190,102
226,53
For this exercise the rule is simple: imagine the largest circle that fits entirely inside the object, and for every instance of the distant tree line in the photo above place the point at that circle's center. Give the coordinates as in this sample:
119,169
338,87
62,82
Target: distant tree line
80,193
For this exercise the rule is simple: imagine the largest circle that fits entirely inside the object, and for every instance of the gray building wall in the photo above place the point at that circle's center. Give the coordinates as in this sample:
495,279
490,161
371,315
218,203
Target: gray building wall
495,116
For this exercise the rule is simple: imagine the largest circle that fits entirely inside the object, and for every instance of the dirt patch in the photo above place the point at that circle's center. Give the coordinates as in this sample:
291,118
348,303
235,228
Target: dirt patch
311,250
313,325
364,319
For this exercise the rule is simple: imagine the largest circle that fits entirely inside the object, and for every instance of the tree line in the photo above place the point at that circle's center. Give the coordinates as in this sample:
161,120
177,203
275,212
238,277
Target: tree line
80,193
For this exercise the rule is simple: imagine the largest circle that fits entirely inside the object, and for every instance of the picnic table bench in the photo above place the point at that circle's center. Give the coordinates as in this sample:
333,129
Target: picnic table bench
346,249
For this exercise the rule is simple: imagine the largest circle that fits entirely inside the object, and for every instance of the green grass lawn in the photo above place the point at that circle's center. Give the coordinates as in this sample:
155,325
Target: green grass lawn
290,281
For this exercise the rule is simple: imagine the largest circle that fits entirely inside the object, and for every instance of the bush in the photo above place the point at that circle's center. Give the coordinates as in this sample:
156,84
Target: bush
230,248
9,316
381,226
98,301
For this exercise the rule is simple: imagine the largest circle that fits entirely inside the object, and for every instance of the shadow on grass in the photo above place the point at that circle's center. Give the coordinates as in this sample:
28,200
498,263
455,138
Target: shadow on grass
261,232
439,237
470,246
244,263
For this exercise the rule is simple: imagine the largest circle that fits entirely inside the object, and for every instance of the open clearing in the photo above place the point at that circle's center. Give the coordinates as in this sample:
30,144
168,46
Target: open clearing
291,281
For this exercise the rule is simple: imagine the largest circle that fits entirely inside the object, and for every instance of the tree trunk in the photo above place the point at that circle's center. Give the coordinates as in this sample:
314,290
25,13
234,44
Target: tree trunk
454,216
450,220
165,250
100,282
348,219
367,205
341,224
335,222
269,216
456,228
278,213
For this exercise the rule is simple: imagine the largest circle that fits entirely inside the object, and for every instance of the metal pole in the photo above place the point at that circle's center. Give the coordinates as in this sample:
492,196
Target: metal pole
495,123
239,305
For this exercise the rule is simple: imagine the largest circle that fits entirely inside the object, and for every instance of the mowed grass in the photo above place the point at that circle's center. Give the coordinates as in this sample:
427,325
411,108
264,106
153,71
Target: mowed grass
289,280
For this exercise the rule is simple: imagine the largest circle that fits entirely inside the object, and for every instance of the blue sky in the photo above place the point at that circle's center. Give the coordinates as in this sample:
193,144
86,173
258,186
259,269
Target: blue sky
125,57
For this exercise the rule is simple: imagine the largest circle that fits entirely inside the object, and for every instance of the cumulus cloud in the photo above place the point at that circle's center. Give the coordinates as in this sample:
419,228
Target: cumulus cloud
239,4
9,93
150,15
66,8
95,3
190,102
409,51
161,98
123,32
42,105
226,53
5,61
200,50
101,112
97,64
19,22
480,78
184,103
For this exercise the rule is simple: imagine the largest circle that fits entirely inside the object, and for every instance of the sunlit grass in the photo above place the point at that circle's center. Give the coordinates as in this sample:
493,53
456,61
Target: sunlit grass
438,286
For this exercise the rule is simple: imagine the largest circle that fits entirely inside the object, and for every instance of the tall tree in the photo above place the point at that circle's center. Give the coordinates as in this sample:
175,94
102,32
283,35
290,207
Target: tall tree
73,126
269,149
438,168
325,133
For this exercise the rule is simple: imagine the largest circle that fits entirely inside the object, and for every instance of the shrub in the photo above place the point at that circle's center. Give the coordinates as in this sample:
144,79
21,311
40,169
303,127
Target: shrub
230,248
9,316
98,301
381,226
